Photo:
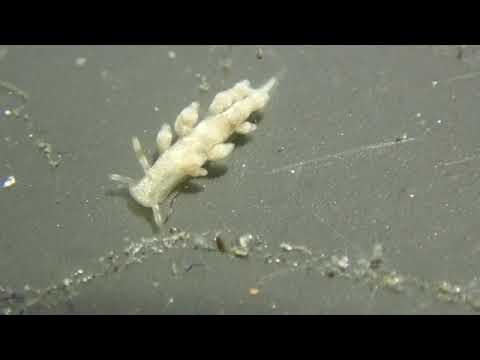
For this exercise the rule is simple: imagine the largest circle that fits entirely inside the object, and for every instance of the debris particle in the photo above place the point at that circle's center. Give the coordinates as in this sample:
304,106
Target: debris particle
239,251
204,85
221,246
404,137
47,150
393,281
174,269
245,240
288,247
200,242
244,243
80,61
342,263
191,266
15,97
7,182
253,291
449,289
172,54
377,256
259,53
45,147
459,54
226,64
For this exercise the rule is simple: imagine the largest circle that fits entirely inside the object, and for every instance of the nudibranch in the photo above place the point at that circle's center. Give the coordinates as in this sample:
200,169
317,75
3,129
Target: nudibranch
207,141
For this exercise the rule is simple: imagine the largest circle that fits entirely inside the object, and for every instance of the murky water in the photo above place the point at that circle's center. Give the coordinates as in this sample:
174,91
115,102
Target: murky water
357,193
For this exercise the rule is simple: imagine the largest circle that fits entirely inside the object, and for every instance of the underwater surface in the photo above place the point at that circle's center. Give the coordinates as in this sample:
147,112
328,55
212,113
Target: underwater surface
358,192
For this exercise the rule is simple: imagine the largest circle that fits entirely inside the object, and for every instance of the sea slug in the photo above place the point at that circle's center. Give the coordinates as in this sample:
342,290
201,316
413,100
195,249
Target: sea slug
227,114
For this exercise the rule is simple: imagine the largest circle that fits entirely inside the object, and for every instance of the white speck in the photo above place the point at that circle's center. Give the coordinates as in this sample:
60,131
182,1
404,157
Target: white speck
292,171
439,121
80,61
411,196
434,83
156,109
8,112
286,247
343,262
418,115
244,165
9,181
244,240
172,55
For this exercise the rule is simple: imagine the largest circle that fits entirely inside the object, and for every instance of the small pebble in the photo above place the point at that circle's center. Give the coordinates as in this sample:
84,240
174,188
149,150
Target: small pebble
259,53
245,240
253,291
80,61
7,182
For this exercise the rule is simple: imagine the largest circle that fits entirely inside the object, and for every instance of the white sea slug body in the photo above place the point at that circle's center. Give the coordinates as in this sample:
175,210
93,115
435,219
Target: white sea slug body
195,145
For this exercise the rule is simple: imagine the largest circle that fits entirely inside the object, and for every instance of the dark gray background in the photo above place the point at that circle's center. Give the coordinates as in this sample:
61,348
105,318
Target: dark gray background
334,117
